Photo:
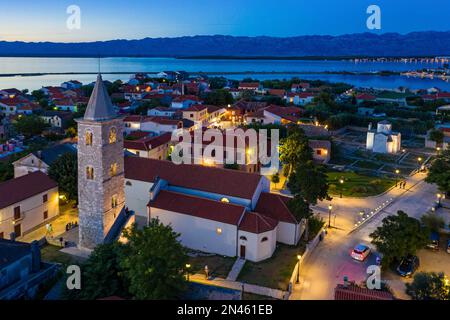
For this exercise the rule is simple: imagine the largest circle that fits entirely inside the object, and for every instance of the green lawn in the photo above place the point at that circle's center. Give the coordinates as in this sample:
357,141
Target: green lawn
366,164
274,272
357,185
50,253
218,266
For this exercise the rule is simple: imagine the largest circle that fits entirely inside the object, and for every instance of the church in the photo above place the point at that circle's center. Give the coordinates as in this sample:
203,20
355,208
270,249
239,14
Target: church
215,210
383,139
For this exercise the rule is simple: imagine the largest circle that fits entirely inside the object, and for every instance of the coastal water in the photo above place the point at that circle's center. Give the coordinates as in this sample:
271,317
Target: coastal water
283,68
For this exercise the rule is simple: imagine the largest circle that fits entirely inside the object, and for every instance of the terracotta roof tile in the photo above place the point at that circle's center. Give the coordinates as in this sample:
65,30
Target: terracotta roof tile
198,207
18,189
257,223
275,206
353,292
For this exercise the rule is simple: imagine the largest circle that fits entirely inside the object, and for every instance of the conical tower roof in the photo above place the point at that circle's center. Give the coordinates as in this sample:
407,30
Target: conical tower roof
100,106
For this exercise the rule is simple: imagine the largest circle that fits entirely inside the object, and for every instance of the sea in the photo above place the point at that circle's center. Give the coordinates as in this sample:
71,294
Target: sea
12,70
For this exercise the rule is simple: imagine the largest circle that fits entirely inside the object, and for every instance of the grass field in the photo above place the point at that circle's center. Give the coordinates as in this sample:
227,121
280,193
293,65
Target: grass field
218,266
274,272
50,253
357,185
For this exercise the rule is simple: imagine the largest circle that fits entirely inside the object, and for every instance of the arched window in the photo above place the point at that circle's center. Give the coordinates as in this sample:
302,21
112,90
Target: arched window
264,239
114,201
89,173
88,138
243,238
113,169
112,135
224,200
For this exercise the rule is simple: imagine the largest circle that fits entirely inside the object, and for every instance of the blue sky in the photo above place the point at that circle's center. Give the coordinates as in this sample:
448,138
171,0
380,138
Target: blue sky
45,20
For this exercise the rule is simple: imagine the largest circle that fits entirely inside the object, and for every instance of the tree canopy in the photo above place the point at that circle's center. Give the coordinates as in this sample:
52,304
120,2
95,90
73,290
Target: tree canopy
294,149
64,171
154,262
399,236
439,171
428,286
31,125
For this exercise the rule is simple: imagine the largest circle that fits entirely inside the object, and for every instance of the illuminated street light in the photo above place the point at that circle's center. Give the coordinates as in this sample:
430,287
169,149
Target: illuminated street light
188,266
439,196
299,258
341,181
330,207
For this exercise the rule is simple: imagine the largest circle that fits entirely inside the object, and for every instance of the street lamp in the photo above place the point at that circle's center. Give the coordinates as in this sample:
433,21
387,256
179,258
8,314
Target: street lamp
188,266
341,181
398,173
419,160
438,149
299,258
330,207
439,196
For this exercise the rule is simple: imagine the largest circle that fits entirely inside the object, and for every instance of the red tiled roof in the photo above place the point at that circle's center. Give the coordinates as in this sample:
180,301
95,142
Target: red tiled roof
198,207
257,223
163,120
185,98
365,96
289,113
275,206
277,92
353,292
24,187
232,182
147,143
254,85
196,107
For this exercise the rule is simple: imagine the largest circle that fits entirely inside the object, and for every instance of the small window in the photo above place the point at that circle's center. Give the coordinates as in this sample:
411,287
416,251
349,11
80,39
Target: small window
88,138
17,213
264,239
219,231
112,135
319,152
45,215
114,201
113,170
243,238
44,198
90,173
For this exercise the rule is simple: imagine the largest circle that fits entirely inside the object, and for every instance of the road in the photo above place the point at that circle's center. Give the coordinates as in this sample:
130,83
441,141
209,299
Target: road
330,261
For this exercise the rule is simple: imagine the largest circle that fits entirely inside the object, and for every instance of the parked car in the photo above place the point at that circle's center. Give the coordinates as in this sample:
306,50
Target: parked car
360,252
434,241
408,266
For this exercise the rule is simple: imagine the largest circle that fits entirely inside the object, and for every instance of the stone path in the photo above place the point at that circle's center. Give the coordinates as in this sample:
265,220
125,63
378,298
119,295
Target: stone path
251,288
236,269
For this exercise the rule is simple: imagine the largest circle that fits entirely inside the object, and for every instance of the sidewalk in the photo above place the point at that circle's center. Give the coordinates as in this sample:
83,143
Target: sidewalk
251,288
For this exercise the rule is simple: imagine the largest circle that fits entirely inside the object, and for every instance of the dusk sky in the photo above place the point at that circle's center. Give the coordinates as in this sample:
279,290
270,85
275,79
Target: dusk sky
45,20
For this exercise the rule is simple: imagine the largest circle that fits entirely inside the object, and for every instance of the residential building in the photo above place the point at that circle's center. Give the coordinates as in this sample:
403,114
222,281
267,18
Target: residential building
162,112
41,160
150,147
26,203
183,102
22,271
57,119
249,86
321,150
72,84
157,125
197,113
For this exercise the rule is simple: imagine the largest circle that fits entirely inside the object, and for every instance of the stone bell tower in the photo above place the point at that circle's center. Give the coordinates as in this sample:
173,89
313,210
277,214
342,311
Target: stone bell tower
100,168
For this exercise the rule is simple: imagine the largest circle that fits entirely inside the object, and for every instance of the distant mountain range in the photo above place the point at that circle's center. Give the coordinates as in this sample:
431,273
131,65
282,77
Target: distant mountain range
429,43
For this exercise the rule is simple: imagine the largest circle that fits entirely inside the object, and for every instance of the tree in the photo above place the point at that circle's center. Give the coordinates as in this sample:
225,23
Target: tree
439,171
399,236
30,125
310,181
154,262
102,274
432,222
219,98
295,149
436,136
428,286
64,171
275,179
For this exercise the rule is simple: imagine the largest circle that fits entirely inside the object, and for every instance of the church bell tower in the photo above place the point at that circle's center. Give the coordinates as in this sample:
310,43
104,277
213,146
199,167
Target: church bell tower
100,168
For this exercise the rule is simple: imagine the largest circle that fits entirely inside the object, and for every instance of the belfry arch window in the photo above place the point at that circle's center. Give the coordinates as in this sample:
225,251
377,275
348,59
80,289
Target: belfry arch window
113,169
112,135
89,173
88,136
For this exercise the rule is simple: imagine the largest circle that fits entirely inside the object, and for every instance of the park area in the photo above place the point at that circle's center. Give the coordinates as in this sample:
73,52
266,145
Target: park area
351,184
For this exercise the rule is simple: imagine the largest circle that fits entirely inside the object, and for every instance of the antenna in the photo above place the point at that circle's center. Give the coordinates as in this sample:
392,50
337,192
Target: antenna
99,64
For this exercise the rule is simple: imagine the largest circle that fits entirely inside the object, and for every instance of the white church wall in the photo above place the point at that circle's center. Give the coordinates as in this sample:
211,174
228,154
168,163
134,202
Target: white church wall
198,233
137,196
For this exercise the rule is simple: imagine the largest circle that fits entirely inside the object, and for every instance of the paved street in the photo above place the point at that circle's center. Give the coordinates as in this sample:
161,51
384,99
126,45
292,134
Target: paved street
330,262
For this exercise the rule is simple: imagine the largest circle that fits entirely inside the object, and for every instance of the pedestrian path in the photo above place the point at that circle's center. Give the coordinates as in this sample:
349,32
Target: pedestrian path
236,269
245,287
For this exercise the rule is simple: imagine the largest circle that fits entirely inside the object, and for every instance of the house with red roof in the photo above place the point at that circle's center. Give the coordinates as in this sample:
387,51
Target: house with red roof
281,115
154,124
236,217
27,202
299,98
11,106
153,147
185,101
365,97
249,86
299,87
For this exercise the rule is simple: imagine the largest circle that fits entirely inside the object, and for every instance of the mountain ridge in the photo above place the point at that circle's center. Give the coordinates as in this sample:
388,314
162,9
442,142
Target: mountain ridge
423,43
